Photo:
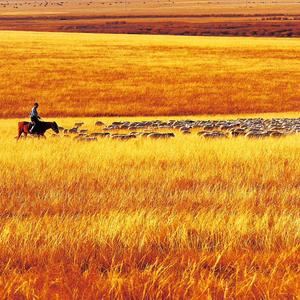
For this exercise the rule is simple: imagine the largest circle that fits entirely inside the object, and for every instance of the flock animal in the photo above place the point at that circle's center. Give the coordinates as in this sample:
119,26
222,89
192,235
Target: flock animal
207,129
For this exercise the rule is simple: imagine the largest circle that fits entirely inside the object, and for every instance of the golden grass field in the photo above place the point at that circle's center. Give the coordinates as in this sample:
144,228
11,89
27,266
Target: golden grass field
185,218
92,75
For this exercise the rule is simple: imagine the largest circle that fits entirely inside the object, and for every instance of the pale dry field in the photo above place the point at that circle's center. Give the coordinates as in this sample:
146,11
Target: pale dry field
103,74
146,219
149,7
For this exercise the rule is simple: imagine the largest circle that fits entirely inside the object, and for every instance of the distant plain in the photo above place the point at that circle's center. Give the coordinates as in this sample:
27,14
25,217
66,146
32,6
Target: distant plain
91,75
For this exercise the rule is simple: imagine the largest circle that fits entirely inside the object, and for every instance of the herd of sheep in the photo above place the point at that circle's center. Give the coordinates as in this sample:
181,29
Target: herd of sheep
248,127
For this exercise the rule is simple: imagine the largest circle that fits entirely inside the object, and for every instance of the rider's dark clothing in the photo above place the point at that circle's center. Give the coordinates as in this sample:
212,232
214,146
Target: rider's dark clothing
34,112
34,116
34,121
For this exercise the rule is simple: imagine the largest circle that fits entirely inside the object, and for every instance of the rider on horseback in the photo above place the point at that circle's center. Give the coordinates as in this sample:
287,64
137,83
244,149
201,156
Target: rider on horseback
34,116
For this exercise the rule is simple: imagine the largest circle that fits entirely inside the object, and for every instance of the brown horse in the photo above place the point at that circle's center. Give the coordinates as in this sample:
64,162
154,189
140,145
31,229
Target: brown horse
41,128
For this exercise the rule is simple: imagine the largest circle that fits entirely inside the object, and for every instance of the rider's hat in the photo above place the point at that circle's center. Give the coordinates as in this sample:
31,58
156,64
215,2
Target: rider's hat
36,104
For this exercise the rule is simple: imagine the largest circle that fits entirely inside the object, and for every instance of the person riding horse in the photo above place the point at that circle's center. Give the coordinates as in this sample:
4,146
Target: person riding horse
35,118
35,127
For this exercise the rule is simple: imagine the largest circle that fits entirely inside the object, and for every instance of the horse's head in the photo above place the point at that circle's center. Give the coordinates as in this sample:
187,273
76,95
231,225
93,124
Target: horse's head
54,127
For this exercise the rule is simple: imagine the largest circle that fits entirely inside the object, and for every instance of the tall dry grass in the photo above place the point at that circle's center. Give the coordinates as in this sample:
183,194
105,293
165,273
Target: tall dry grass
184,219
89,74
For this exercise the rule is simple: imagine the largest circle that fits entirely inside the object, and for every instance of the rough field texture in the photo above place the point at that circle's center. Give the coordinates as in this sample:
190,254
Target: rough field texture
256,25
88,74
149,219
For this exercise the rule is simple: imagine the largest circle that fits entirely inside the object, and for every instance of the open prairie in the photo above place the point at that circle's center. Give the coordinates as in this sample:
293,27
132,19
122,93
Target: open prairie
91,75
185,218
159,203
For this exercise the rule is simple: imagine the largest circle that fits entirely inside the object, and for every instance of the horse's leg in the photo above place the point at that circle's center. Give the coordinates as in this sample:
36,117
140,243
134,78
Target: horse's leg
26,131
20,130
19,135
